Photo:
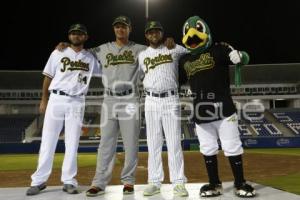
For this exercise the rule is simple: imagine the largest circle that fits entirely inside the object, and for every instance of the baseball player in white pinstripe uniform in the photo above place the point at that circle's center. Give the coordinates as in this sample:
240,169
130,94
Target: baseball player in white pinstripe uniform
67,77
162,110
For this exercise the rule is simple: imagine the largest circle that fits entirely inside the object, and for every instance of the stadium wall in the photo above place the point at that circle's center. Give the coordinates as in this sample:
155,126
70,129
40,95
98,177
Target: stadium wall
187,145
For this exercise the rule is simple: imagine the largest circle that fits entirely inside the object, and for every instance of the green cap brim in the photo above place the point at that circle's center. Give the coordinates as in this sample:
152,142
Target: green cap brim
159,28
77,30
121,22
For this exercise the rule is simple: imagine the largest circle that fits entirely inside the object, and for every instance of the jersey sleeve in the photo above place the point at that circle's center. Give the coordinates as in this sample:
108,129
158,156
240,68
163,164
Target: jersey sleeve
141,48
51,65
225,50
181,50
97,68
95,51
140,67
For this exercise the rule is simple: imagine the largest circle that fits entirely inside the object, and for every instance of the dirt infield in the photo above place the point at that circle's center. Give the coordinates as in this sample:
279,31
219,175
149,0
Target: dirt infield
257,167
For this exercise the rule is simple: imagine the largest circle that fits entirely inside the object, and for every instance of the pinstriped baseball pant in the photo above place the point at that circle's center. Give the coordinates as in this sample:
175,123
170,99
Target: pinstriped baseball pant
162,115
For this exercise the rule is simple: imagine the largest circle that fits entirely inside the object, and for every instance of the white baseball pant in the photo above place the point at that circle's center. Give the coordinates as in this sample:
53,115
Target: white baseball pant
162,115
60,110
225,129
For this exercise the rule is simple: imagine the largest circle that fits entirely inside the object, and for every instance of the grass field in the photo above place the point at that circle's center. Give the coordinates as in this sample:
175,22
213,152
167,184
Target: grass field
291,182
278,151
29,161
287,182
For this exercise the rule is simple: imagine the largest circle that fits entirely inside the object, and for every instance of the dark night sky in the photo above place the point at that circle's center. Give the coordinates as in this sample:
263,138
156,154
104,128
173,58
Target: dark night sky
268,30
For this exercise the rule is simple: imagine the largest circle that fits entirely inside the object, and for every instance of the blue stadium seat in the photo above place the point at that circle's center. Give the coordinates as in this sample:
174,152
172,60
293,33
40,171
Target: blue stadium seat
291,119
12,127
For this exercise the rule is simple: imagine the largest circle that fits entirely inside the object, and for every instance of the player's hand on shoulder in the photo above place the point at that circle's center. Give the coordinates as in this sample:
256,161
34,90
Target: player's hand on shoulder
235,56
170,43
62,45
43,106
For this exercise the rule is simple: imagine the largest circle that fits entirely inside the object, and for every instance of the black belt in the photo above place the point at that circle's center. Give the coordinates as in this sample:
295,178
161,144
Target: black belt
60,92
63,93
163,94
123,93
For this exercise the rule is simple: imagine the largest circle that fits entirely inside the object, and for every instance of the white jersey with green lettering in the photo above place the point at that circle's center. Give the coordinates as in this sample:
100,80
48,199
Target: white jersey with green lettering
71,71
160,67
162,111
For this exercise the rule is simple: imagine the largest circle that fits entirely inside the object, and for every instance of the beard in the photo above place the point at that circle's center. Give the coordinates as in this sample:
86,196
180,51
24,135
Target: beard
77,43
156,43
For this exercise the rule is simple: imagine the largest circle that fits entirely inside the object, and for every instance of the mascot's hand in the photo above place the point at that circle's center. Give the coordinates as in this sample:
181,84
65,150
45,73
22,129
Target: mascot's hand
235,57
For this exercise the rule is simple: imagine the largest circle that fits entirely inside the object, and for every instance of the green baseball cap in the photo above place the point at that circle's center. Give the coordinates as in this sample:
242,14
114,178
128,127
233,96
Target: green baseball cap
78,27
123,20
153,25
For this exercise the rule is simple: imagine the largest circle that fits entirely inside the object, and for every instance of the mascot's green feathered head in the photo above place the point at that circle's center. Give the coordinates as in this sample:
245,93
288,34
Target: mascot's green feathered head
196,35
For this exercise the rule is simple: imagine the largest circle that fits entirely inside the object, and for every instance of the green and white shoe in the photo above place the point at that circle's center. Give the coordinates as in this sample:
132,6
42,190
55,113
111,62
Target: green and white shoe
180,190
151,190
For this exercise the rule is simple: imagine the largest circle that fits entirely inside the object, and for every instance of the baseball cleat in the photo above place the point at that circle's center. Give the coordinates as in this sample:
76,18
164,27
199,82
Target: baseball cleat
70,189
180,190
128,189
245,190
151,190
94,191
211,190
33,190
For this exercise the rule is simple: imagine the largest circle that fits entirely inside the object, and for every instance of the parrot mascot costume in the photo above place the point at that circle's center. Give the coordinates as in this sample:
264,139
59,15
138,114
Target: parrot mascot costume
206,69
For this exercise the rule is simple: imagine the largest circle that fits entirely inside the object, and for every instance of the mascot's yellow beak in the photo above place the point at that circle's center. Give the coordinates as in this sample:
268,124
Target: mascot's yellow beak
194,39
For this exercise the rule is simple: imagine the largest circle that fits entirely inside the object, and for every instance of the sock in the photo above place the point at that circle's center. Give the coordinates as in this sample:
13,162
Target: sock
236,163
211,164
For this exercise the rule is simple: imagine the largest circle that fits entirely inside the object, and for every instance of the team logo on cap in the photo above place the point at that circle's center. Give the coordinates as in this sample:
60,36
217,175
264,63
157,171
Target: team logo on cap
152,24
77,26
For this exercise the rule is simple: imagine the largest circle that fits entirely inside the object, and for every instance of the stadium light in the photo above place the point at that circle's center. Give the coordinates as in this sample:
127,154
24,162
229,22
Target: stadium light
147,9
